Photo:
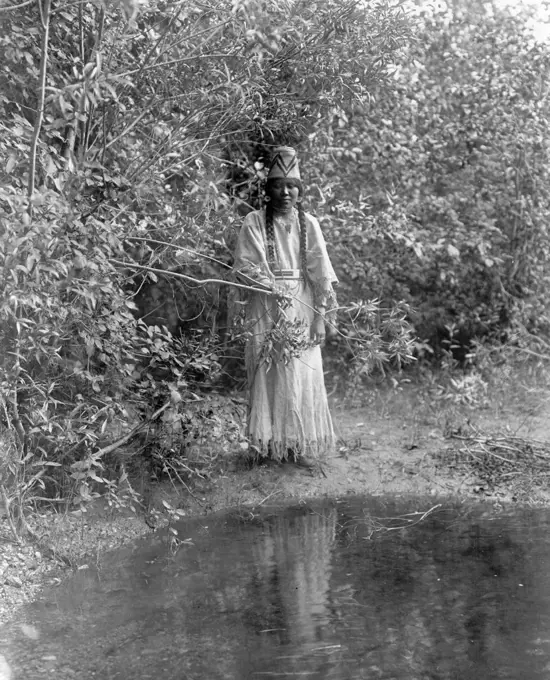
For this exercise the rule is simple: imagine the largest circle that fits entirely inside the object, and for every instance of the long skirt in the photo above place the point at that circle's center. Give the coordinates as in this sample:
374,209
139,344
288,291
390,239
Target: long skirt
288,408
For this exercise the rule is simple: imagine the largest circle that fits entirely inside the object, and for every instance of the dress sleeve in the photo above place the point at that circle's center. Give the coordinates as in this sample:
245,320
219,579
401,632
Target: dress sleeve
321,273
250,263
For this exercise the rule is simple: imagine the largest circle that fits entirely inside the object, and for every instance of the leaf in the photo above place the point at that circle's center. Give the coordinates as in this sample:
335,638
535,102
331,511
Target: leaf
95,477
10,164
418,251
453,251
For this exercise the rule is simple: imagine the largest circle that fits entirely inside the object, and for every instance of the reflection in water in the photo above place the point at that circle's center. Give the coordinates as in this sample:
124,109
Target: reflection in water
293,562
292,583
320,592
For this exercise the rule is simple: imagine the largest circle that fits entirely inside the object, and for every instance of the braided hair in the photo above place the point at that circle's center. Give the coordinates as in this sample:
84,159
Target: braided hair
270,236
303,243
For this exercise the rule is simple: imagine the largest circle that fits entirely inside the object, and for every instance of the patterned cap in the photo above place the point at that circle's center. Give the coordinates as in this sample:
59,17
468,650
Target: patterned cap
284,164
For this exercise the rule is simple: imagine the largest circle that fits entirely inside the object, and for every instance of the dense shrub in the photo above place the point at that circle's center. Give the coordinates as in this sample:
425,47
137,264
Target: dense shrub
435,192
118,129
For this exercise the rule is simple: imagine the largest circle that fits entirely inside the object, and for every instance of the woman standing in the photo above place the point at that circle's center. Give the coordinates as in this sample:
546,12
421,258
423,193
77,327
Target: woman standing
281,249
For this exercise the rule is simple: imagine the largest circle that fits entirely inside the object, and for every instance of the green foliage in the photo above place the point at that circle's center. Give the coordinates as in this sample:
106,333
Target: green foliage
437,193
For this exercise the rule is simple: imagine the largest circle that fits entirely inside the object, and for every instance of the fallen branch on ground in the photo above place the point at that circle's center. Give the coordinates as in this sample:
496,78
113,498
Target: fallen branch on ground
123,440
496,460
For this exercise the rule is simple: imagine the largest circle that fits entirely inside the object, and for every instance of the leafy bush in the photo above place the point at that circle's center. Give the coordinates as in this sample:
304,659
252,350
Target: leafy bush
436,192
118,129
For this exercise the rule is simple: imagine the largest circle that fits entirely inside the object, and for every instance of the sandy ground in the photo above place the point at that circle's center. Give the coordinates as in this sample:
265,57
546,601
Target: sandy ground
399,440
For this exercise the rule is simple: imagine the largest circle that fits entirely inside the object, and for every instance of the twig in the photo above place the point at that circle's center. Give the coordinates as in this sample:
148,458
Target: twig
126,130
530,440
504,447
45,20
18,425
401,517
7,503
120,442
203,282
191,279
7,8
172,62
171,467
268,497
178,247
411,523
524,350
487,452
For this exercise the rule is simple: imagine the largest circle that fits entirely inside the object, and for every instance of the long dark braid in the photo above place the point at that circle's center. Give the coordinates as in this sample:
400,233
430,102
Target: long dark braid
303,243
270,235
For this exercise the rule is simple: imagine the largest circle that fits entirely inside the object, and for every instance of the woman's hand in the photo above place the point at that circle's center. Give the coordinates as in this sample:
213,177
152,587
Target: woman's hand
317,331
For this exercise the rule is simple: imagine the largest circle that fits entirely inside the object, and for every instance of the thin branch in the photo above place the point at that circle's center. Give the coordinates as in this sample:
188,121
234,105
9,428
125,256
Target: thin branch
192,38
524,350
275,491
172,62
126,130
203,282
41,12
185,277
173,245
186,38
63,8
411,523
143,167
6,501
22,4
45,17
120,442
162,37
17,424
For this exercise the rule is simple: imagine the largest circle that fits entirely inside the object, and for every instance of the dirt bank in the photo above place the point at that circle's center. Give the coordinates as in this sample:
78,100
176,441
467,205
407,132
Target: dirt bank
405,440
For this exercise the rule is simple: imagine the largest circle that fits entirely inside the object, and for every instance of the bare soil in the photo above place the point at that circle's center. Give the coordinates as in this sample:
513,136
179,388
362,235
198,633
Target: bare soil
407,441
402,440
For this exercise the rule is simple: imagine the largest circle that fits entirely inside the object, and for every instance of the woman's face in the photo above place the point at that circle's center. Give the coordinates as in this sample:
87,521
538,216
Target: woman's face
284,194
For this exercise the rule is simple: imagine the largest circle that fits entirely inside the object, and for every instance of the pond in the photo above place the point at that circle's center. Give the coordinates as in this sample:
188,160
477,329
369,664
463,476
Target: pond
357,588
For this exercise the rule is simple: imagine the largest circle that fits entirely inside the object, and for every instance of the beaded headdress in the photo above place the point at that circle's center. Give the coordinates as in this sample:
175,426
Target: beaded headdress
284,164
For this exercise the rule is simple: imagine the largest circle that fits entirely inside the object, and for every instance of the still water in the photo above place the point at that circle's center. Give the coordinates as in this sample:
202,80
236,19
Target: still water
340,590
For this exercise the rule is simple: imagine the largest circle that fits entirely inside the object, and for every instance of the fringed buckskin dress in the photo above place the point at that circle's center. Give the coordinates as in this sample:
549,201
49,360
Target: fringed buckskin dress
288,411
